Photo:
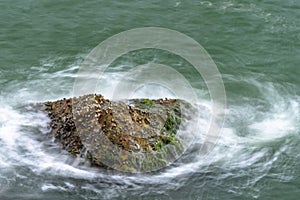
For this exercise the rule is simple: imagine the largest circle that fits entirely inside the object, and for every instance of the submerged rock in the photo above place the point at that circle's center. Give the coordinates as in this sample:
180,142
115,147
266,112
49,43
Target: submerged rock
136,135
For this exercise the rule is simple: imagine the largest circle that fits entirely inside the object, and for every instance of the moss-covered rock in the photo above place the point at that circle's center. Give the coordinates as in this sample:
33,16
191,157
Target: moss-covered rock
134,136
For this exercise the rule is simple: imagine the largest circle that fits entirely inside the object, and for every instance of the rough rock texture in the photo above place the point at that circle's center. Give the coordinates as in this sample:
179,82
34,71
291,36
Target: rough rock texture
136,135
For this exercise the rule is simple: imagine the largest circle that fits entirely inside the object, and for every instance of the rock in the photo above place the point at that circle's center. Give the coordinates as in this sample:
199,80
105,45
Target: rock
136,135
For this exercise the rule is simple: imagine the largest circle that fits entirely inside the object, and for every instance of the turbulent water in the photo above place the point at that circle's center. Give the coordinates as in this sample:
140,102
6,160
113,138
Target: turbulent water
255,45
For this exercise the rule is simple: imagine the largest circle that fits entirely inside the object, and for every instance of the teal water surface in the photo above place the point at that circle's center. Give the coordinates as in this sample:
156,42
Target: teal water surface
256,47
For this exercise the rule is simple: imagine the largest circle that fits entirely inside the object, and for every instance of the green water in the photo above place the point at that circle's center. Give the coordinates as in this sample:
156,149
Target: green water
255,45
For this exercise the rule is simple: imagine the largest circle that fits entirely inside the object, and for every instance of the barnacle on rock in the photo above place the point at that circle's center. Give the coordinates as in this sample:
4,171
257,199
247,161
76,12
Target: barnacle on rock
139,136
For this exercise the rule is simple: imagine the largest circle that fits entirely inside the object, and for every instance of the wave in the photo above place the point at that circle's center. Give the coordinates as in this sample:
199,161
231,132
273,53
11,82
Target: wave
258,132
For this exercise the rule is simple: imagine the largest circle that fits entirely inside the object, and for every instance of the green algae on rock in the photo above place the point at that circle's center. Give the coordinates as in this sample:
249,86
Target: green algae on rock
137,135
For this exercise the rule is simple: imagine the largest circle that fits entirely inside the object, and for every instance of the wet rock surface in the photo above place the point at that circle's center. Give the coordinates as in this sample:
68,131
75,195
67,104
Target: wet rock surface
136,135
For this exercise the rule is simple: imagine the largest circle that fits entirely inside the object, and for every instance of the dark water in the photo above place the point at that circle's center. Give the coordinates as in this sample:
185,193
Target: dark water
255,46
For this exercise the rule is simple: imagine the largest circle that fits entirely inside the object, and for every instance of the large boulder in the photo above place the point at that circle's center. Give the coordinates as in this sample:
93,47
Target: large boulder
136,135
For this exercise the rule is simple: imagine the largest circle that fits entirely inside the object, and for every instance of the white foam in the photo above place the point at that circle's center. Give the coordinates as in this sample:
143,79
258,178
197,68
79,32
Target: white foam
47,187
280,121
272,128
9,124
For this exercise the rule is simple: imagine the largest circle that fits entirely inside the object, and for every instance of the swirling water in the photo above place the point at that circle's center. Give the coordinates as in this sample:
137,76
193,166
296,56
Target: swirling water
255,46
